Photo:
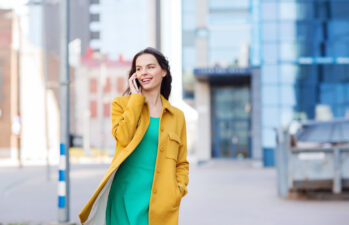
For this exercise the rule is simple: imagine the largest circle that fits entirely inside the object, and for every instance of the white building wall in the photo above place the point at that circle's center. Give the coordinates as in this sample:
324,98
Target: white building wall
202,89
171,47
35,145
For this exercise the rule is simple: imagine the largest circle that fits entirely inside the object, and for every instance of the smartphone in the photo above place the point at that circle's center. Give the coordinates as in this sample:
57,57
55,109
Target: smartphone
136,84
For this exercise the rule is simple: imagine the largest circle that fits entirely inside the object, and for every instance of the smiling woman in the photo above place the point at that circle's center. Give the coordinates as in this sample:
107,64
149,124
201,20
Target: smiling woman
149,72
148,175
150,63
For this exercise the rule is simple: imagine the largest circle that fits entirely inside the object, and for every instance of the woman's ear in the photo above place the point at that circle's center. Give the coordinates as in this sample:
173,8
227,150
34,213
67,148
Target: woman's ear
164,73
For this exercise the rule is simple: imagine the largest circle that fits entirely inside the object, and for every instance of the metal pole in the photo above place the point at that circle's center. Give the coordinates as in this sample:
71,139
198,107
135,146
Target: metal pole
19,61
64,190
337,178
158,24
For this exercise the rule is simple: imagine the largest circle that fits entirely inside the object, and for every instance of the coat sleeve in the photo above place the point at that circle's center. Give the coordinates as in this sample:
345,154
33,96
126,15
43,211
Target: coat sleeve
125,119
182,167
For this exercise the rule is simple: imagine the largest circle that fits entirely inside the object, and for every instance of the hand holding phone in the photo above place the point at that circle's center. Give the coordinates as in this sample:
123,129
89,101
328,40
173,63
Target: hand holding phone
134,84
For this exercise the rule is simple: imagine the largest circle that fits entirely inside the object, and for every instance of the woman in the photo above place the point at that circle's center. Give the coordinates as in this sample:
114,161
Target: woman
148,174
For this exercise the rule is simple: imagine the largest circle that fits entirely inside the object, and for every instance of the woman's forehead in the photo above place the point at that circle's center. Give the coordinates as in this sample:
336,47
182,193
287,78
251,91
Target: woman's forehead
146,59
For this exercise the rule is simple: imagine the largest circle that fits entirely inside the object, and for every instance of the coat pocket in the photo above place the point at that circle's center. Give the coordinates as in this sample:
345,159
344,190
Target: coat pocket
173,146
178,196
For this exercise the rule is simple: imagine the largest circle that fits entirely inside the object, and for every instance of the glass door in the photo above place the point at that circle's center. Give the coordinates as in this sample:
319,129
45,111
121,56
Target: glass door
231,121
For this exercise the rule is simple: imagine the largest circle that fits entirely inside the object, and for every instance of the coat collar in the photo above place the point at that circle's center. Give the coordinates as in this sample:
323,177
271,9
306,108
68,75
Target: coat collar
166,104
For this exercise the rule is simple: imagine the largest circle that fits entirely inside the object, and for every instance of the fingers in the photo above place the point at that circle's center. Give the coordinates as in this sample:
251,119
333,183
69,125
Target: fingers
131,81
130,84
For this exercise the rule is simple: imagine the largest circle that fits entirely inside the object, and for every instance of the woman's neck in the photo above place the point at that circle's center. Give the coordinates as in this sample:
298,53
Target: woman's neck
153,98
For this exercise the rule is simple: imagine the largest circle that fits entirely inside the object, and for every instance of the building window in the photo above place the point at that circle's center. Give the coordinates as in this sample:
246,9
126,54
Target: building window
106,109
188,38
270,116
296,10
270,95
120,84
93,85
226,48
339,10
1,83
223,4
269,10
94,1
93,109
270,31
94,17
270,53
95,35
270,74
107,85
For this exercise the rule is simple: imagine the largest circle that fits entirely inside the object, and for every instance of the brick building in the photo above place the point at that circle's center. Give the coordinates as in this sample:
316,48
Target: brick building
97,81
9,99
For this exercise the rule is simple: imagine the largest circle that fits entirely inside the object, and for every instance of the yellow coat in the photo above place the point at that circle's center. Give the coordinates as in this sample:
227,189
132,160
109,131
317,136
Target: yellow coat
130,120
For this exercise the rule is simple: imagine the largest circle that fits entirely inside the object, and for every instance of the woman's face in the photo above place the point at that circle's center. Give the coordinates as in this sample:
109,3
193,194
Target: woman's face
149,72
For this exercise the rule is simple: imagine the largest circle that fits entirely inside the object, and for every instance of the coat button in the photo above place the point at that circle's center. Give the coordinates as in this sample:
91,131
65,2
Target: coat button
162,129
161,149
154,191
158,171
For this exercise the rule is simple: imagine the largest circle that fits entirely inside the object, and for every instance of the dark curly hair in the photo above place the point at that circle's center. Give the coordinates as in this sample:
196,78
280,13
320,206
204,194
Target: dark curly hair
166,86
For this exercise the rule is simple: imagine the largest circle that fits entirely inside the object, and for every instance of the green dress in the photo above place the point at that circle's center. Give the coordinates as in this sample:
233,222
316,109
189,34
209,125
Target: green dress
129,196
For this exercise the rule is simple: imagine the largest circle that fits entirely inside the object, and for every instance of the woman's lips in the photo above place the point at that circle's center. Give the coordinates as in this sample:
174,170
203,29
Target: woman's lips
146,80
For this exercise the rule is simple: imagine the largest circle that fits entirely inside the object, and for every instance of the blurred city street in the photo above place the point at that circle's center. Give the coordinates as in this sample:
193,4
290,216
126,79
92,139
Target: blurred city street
263,86
221,192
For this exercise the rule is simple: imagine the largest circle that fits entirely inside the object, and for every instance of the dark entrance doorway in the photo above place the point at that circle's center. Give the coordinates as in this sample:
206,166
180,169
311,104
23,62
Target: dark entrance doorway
231,121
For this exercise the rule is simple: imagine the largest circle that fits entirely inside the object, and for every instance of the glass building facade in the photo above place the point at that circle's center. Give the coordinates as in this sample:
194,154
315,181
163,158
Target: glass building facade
300,46
228,31
305,61
188,47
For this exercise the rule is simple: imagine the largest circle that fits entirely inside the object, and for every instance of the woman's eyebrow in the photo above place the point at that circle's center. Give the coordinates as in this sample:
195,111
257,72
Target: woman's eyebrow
150,64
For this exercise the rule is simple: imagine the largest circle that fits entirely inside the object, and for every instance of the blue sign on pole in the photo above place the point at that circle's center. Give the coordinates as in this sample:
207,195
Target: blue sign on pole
62,178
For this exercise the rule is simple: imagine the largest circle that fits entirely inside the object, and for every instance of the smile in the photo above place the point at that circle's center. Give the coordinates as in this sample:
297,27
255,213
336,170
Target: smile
146,80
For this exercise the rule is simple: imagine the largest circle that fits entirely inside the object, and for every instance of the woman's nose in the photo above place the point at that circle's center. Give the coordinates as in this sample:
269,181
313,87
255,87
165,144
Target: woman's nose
142,71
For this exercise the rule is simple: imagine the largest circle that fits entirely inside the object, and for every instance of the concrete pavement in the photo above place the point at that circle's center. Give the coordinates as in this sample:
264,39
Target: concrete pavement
221,192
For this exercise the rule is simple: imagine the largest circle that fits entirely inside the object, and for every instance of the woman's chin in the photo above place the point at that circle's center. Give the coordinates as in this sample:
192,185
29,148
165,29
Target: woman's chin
148,88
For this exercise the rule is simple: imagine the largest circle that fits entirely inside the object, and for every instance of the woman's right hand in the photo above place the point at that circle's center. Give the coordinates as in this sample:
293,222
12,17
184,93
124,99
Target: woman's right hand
131,85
